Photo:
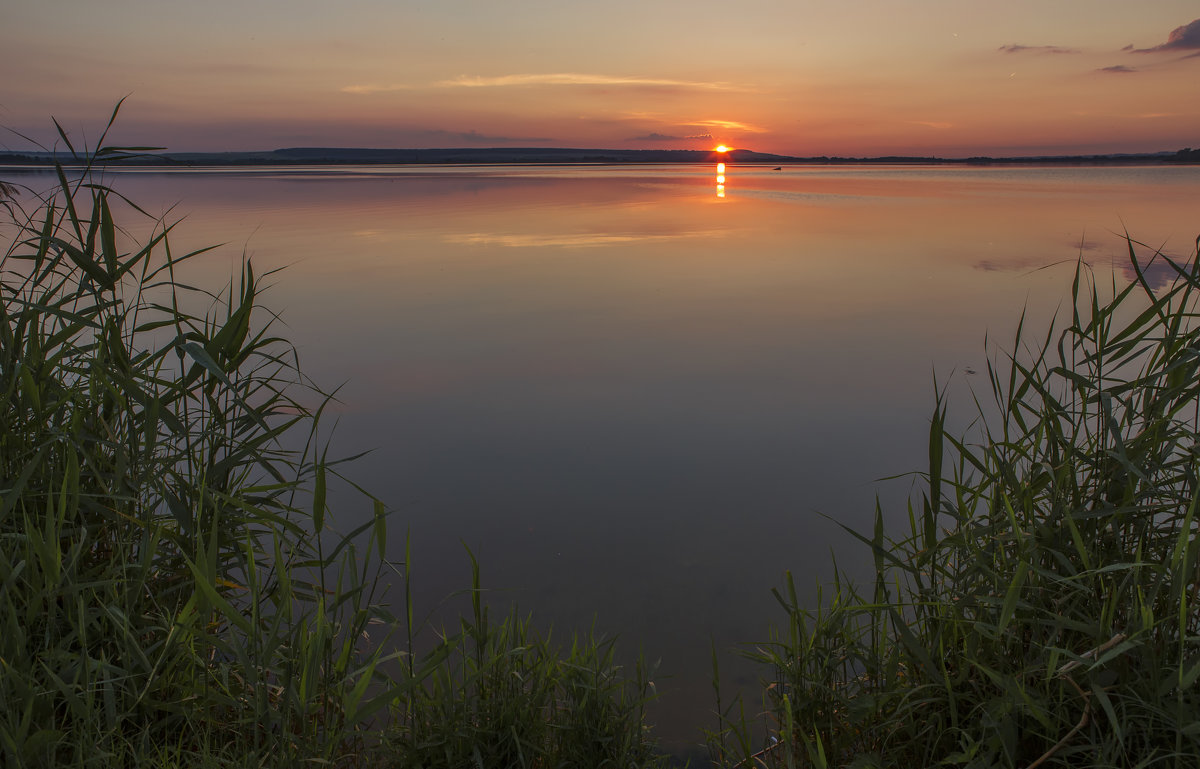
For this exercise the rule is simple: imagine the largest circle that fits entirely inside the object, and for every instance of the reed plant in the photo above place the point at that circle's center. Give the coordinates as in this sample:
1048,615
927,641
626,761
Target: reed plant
173,588
1041,608
502,694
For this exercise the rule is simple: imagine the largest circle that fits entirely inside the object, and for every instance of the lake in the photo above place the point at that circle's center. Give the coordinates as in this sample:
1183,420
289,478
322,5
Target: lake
641,397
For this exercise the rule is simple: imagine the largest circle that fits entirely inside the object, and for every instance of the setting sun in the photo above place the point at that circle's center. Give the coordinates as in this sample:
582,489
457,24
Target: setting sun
722,148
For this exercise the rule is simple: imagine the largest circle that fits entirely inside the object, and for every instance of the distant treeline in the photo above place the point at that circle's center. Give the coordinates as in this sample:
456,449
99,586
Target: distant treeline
558,155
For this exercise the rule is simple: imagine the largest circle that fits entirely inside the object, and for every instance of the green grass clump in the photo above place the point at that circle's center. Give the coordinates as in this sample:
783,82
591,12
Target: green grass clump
170,584
172,589
501,695
1042,609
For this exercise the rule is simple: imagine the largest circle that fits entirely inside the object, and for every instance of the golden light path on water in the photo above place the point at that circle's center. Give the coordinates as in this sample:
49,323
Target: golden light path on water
721,173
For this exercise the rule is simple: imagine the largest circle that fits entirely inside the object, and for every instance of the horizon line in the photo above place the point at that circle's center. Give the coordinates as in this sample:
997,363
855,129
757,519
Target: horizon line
166,153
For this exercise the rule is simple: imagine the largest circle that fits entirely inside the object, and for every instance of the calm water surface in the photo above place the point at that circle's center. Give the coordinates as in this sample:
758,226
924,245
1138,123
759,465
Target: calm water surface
640,402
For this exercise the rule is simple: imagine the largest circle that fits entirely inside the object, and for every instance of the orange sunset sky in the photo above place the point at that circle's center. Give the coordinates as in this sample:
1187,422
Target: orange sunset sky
951,78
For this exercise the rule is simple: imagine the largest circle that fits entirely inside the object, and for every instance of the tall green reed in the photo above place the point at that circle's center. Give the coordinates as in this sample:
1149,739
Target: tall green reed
171,580
1041,609
502,694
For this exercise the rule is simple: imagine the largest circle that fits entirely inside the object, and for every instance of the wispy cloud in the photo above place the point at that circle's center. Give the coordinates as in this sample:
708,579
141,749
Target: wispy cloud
1120,68
1036,49
474,137
573,78
935,124
1185,38
539,79
368,89
729,125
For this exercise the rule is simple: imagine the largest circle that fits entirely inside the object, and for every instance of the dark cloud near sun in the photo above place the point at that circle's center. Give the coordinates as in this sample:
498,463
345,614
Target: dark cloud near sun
1036,49
1185,38
657,137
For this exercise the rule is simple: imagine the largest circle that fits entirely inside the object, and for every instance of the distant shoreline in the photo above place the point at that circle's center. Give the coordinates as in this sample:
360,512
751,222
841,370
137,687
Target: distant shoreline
326,156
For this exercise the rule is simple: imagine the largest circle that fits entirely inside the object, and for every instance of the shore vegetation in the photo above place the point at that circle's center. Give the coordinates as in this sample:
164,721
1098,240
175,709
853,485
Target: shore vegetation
1042,607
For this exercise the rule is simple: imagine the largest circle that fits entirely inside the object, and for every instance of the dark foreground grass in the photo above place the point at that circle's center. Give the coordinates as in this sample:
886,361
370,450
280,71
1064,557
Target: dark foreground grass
1041,609
173,591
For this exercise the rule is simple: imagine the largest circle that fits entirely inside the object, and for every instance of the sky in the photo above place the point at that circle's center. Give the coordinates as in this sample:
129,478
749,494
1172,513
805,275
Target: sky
952,78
